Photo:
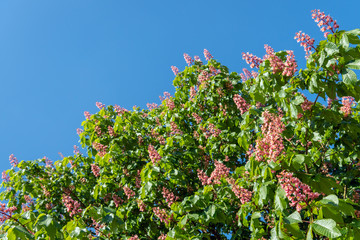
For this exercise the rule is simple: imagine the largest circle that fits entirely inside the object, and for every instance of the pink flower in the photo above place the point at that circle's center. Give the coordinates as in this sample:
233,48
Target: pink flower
111,131
151,106
241,103
73,207
141,205
128,192
290,66
175,129
243,194
347,103
188,59
175,70
154,155
207,55
13,160
5,177
170,103
161,214
306,42
76,149
87,115
251,59
198,119
6,213
100,105
79,131
120,110
48,162
162,237
275,62
96,170
134,238
170,197
101,149
325,22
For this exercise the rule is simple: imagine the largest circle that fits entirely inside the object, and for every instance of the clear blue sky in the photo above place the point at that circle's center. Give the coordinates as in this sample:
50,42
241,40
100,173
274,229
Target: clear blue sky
57,58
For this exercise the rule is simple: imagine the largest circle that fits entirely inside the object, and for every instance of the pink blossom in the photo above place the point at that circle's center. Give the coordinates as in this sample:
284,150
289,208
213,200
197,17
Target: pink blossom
192,93
13,160
243,194
207,55
347,102
329,101
141,205
219,172
305,41
290,66
73,207
241,103
101,149
162,237
251,59
170,197
175,70
306,105
87,115
79,131
175,129
128,192
188,59
76,149
161,214
6,213
151,106
96,170
203,77
5,177
166,96
215,132
100,105
134,238
111,131
198,119
61,155
170,103
48,162
154,155
120,110
275,62
325,22
197,59
98,130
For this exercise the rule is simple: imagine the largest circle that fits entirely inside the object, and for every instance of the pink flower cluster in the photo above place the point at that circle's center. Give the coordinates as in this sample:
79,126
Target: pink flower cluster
290,66
98,130
241,103
134,238
198,119
117,200
151,106
305,41
207,55
96,170
306,105
166,96
175,129
296,191
192,93
161,214
6,213
203,77
175,70
13,160
162,237
100,105
76,149
141,205
170,197
158,137
100,148
347,102
170,103
120,110
215,132
251,59
5,177
73,207
48,162
188,59
325,22
154,155
111,131
128,192
79,131
87,115
275,62
197,59
242,193
271,145
219,172
138,179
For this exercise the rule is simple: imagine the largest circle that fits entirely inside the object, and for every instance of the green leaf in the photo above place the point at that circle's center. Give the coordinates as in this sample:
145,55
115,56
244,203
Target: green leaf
326,227
280,203
349,77
344,42
309,235
354,64
293,218
331,199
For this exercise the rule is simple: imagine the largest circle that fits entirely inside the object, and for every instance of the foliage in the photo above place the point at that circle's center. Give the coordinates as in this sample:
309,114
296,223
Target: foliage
246,156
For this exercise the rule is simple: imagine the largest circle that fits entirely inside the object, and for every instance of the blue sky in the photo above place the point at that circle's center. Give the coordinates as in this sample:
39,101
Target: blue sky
57,58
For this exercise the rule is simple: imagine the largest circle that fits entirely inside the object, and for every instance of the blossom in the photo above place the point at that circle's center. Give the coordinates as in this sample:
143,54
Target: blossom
198,119
100,105
141,205
101,149
151,106
6,213
13,160
243,194
197,59
170,103
162,237
87,115
5,177
175,70
188,59
79,131
76,149
154,155
241,103
134,238
48,162
306,105
170,197
325,22
275,62
161,214
120,110
207,55
306,42
347,102
96,170
251,59
73,207
175,129
290,66
128,192
219,172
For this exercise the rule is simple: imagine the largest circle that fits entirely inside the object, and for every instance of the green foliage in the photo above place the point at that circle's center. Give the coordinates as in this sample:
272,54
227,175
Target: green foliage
121,188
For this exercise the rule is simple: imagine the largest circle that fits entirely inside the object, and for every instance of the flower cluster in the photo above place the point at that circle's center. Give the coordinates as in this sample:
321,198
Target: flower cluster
76,149
13,160
111,131
96,170
138,179
79,131
166,96
325,22
48,162
241,103
73,207
158,137
198,119
347,102
175,129
170,103
170,197
306,105
87,115
215,132
296,191
5,177
275,62
117,200
175,70
203,77
100,105
6,213
154,155
220,171
141,205
251,59
188,59
100,148
120,110
207,55
290,66
128,192
161,214
162,237
305,41
271,144
197,59
192,93
243,194
151,106
134,238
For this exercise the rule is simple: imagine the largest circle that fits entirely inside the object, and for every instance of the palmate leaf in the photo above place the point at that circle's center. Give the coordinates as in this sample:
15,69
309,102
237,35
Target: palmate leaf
326,227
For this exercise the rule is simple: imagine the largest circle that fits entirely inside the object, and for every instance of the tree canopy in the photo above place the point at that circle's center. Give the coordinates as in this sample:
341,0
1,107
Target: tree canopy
240,156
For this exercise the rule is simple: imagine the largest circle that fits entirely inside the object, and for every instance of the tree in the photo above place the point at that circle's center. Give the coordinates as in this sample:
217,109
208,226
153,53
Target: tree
245,156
